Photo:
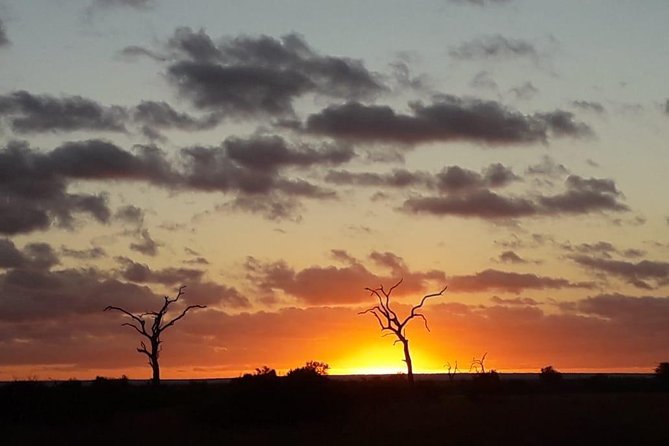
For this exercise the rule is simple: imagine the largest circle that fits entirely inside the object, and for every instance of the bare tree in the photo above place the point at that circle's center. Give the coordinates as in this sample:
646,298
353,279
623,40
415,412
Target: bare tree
390,322
478,364
451,371
157,325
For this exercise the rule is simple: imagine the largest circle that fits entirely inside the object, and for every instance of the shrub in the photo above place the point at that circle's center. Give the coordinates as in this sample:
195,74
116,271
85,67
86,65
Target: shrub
311,370
549,375
662,371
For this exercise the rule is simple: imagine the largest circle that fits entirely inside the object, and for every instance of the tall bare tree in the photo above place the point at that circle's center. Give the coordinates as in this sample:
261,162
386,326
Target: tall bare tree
157,324
390,322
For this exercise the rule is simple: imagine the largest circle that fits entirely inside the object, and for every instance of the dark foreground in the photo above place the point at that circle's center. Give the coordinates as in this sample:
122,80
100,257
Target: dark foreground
384,411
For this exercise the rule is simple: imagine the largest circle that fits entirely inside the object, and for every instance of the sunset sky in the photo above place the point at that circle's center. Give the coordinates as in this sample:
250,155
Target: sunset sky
278,157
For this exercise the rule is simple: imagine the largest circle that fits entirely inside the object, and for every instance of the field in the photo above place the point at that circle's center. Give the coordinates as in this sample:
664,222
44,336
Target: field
385,411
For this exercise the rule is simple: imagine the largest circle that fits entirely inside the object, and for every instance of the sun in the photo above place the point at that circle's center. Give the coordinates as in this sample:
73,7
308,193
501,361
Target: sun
381,360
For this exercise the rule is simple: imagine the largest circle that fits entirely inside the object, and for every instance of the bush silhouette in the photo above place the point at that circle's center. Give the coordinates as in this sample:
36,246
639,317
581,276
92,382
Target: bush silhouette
662,372
311,371
550,376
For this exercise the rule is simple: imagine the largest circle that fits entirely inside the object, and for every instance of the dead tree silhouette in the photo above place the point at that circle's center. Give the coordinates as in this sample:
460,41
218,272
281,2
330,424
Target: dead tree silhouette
390,322
155,330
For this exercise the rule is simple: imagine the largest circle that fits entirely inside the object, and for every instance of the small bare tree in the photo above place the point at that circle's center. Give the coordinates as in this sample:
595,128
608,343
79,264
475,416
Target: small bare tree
451,371
390,322
478,365
158,324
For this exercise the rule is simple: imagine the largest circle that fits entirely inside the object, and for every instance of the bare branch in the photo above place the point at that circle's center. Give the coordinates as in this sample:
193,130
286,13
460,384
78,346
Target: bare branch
422,316
134,316
183,313
141,331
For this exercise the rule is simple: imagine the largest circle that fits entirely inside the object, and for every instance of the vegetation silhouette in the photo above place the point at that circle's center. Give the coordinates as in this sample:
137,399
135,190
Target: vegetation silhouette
390,322
157,326
548,376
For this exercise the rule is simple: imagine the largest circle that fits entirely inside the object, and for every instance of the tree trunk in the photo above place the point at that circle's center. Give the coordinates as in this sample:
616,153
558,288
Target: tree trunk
407,359
156,372
155,367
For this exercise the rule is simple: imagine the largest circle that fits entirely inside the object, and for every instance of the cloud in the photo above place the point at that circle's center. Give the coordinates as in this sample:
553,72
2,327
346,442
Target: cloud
133,4
638,274
251,76
399,178
483,79
495,47
146,245
601,249
525,92
34,183
130,214
141,273
83,254
35,193
154,115
480,204
548,168
4,40
589,106
523,301
582,196
491,279
28,294
30,113
448,118
454,179
323,285
511,257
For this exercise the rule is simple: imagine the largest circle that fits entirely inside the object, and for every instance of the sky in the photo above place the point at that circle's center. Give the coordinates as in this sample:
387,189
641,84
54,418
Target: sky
278,158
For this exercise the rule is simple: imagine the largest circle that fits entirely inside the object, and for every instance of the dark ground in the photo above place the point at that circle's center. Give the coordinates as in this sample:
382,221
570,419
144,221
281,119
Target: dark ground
384,411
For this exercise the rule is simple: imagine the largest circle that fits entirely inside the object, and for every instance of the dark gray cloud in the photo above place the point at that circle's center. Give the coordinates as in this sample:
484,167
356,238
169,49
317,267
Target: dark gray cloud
448,118
455,179
646,274
146,245
4,40
10,255
400,178
29,113
246,76
548,168
495,47
134,4
491,279
666,107
589,106
130,214
83,254
34,183
479,204
272,207
34,193
271,153
141,273
511,257
601,249
582,196
159,115
134,51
